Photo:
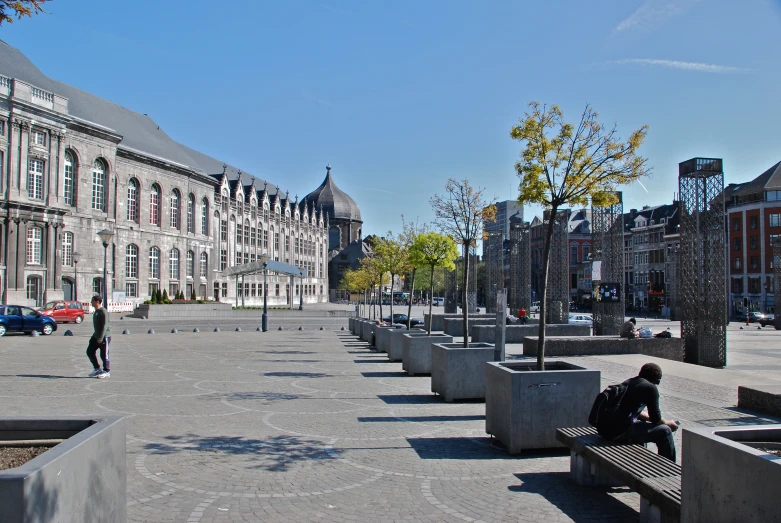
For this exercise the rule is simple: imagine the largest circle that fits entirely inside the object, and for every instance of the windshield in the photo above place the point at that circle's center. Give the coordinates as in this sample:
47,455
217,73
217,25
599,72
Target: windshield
49,305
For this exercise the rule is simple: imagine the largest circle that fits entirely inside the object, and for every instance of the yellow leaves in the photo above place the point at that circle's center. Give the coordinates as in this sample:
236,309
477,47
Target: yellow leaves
20,8
433,249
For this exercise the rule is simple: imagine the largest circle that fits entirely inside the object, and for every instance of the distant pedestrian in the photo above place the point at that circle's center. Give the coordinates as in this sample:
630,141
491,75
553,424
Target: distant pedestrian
522,315
100,340
628,329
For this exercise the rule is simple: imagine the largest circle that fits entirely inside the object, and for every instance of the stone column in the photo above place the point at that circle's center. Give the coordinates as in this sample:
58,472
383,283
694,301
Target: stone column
56,260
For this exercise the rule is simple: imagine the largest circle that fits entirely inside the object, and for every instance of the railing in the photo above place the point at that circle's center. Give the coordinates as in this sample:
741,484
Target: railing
5,82
43,95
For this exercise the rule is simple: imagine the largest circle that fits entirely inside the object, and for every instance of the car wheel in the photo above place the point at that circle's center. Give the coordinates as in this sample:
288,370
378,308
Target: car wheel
2,330
79,319
47,329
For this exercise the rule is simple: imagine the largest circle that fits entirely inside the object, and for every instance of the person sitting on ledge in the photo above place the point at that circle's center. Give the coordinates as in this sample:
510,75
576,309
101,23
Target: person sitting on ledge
628,329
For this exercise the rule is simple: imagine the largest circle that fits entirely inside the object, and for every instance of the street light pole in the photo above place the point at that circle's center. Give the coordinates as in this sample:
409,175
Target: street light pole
301,294
76,258
264,317
105,237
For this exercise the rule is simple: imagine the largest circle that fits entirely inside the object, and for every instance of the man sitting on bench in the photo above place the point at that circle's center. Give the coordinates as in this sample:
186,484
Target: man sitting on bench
632,425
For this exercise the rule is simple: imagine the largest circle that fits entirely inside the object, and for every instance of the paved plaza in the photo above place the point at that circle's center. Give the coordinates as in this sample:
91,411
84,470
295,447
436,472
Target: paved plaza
312,425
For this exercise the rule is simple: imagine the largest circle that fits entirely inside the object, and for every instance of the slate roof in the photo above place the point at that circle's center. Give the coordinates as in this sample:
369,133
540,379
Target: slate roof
768,180
335,202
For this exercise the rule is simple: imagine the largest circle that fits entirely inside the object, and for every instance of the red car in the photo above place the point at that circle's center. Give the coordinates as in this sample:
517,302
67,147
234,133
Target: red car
64,311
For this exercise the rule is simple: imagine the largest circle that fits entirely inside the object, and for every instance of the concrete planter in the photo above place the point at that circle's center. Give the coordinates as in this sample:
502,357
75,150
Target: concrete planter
667,348
458,373
395,347
516,333
439,319
524,407
81,479
382,336
351,325
725,479
366,330
181,309
455,326
416,351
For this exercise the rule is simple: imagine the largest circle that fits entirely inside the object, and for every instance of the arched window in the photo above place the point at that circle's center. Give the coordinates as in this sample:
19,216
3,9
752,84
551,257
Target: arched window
175,209
131,261
191,213
190,264
35,179
154,205
99,185
69,180
173,264
205,217
154,263
132,200
34,235
204,264
67,249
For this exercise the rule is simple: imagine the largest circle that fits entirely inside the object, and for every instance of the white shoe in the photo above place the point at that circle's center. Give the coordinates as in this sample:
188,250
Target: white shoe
103,374
95,373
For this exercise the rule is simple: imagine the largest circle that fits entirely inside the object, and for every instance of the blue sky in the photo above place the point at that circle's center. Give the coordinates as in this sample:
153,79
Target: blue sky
399,96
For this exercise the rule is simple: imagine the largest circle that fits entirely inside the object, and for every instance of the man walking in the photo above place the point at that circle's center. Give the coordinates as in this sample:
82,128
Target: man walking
101,339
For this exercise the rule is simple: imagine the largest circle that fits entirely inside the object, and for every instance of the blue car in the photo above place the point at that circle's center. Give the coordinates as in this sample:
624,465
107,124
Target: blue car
17,318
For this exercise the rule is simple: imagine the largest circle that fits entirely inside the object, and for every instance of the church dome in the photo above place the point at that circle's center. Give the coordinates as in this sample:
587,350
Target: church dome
335,202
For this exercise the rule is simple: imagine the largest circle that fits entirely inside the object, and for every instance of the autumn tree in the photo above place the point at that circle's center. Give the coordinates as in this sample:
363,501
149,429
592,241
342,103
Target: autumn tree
356,280
460,214
432,250
376,276
563,164
19,9
410,231
393,260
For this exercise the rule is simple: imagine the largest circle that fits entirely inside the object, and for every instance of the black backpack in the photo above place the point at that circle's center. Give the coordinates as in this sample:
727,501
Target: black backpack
604,413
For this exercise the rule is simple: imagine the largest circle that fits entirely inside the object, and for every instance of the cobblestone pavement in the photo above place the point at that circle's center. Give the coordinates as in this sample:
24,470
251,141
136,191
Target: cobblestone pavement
303,426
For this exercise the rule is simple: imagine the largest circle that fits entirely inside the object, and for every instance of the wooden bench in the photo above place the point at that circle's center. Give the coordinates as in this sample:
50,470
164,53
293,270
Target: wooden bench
597,461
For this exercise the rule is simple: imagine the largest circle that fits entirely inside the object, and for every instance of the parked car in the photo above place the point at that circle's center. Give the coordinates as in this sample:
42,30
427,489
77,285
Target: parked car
17,318
438,302
535,308
752,316
582,319
769,319
402,318
64,311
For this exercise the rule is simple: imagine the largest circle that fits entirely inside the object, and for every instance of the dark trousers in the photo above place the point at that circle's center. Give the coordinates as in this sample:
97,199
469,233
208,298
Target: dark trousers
647,432
93,347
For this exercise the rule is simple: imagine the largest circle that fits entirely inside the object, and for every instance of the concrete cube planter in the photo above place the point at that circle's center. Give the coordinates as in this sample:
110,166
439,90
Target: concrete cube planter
395,347
455,326
382,336
524,407
458,373
416,351
366,330
517,333
81,479
725,478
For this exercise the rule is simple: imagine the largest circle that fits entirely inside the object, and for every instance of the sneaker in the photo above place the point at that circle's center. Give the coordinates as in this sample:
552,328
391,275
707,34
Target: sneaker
103,374
94,373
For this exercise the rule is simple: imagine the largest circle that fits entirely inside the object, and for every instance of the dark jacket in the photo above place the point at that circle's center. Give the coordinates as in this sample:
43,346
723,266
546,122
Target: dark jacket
640,394
100,322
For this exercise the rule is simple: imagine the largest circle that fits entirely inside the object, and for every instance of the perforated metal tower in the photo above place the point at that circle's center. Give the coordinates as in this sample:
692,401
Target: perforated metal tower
608,235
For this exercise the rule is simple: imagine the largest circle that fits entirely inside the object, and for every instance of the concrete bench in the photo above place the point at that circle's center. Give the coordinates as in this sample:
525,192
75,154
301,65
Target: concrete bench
667,348
439,319
595,461
516,333
455,326
761,398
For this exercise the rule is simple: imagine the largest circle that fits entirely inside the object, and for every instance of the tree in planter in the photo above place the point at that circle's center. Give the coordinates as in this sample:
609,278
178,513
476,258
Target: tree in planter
410,231
564,164
460,214
376,277
432,250
355,281
392,257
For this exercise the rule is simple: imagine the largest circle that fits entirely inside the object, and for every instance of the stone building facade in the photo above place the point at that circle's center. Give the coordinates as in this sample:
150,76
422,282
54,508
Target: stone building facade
73,164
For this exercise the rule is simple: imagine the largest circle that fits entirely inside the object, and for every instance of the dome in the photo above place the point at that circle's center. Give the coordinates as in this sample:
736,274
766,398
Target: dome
335,202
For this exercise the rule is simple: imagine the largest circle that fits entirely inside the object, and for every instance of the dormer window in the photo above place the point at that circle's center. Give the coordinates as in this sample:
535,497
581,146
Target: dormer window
38,138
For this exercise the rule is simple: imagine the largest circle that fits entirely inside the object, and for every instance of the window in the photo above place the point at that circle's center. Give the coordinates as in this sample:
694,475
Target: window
99,185
224,290
735,224
754,286
586,251
131,289
2,127
573,254
253,236
154,263
736,263
67,249
154,205
754,242
238,233
204,264
190,264
131,261
173,264
69,180
737,285
265,239
97,286
246,232
772,196
34,292
35,179
224,230
132,200
223,259
38,138
34,235
754,262
205,216
753,222
736,244
175,209
191,213
775,220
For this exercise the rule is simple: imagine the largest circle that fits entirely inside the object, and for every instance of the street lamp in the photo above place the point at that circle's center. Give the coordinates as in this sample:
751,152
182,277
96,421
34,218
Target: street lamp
264,318
105,237
76,258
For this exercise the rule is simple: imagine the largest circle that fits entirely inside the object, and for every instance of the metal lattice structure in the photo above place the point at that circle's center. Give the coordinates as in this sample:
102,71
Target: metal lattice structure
471,294
494,265
703,257
520,267
607,230
557,302
451,292
673,281
777,280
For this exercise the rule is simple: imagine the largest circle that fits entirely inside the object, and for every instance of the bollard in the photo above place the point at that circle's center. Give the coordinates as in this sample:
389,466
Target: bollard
35,333
143,317
125,331
280,328
322,328
121,317
151,331
174,331
196,329
238,329
67,333
216,329
300,328
258,330
342,328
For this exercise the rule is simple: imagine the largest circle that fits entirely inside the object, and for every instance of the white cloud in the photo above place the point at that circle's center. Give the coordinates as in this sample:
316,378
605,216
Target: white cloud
653,13
677,64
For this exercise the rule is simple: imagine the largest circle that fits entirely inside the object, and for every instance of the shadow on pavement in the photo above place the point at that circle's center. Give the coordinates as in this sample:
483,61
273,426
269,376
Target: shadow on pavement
296,374
378,360
50,376
409,399
421,418
399,374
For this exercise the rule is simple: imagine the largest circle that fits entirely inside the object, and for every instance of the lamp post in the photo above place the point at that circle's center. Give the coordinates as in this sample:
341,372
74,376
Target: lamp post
301,293
264,318
76,258
105,237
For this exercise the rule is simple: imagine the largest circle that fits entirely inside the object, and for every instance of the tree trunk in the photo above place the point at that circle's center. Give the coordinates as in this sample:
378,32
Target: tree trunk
431,302
544,297
380,289
391,300
411,295
464,305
